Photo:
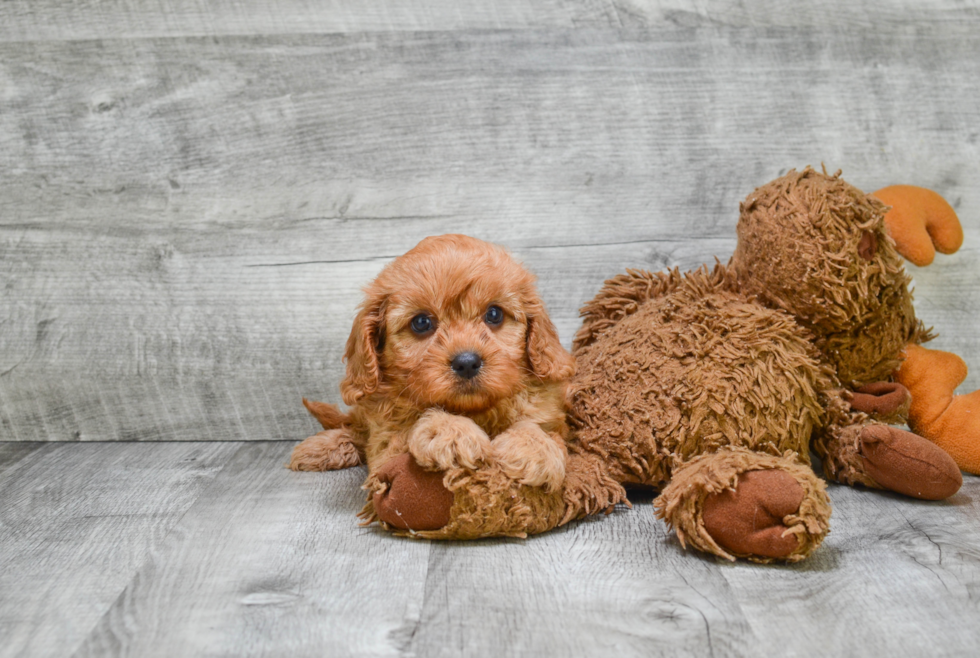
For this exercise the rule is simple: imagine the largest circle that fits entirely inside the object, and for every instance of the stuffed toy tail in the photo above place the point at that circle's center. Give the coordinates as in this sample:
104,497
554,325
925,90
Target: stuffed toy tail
327,414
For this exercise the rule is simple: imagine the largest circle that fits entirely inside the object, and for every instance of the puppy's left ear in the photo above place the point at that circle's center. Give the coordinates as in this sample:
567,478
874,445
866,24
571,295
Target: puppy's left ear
549,360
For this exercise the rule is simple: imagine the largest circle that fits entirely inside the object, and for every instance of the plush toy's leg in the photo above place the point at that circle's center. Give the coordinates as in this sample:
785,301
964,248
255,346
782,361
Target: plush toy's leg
951,421
884,457
921,222
739,503
859,450
459,503
329,450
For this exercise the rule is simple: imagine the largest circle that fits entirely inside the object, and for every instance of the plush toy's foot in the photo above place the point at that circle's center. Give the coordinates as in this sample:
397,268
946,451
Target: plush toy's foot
920,222
950,421
738,503
749,518
411,498
908,464
330,450
884,457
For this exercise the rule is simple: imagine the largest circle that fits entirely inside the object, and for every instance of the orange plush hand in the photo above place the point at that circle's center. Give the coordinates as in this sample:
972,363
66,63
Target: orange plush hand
920,222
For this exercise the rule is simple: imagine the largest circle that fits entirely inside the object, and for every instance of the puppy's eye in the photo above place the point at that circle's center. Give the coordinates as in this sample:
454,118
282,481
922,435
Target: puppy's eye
422,324
494,316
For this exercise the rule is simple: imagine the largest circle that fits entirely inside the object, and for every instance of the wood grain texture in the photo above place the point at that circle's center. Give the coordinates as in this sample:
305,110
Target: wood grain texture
905,14
77,521
187,222
50,20
270,562
900,575
163,549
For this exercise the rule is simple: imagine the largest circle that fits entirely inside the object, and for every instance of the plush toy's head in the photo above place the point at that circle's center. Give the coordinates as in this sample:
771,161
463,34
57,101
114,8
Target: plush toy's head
455,323
816,247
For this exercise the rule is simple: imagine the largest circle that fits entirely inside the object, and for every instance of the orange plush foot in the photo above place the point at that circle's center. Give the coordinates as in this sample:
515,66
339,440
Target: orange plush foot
950,421
921,222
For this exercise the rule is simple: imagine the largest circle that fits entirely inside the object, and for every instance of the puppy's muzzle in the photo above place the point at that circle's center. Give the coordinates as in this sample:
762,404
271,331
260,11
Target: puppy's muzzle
467,365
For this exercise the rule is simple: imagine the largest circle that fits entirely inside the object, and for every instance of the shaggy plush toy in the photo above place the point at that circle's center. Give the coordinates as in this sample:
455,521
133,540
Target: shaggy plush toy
713,385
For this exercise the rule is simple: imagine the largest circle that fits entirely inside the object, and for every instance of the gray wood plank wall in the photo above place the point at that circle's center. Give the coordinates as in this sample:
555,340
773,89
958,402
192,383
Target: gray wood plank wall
192,196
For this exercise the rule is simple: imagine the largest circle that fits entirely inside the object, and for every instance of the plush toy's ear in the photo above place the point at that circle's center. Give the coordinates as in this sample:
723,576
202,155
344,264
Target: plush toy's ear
549,360
365,342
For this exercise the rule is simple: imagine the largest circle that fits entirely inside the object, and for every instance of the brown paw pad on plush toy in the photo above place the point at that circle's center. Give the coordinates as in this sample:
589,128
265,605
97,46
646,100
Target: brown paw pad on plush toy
411,498
749,518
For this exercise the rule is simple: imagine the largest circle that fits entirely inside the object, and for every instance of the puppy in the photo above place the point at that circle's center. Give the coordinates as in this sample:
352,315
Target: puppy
452,359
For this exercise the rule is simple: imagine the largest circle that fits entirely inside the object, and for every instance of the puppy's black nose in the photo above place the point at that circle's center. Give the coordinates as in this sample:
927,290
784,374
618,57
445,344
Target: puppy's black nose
467,364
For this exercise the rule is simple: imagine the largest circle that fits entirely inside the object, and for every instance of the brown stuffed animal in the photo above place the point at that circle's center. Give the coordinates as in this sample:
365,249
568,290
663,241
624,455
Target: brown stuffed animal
712,385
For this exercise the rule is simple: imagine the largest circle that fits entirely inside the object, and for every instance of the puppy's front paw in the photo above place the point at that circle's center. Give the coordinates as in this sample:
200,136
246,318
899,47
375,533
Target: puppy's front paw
526,453
440,441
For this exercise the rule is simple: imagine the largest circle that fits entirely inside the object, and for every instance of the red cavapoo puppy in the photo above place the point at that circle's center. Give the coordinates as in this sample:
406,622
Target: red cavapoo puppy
453,360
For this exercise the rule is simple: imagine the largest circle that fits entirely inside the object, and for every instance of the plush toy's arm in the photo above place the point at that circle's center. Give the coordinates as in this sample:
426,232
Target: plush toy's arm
885,402
459,503
921,222
407,497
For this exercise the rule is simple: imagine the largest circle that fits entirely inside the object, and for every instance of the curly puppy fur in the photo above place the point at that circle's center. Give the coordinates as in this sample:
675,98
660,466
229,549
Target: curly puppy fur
405,396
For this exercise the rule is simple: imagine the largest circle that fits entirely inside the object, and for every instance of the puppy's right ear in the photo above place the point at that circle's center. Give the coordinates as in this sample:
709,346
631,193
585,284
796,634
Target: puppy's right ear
363,345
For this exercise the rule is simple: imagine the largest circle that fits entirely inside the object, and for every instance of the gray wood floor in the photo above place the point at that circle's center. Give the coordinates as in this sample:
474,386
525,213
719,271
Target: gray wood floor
213,548
192,194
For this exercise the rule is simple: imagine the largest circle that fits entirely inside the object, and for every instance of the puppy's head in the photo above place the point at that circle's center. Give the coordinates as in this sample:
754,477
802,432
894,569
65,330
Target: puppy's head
455,323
